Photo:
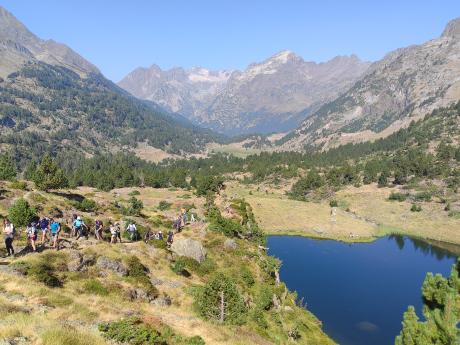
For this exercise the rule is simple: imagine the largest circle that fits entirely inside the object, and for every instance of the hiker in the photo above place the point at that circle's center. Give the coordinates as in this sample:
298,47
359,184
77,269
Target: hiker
8,232
170,239
44,224
149,235
32,235
132,230
55,230
192,218
98,231
160,235
74,231
81,228
113,233
177,225
117,227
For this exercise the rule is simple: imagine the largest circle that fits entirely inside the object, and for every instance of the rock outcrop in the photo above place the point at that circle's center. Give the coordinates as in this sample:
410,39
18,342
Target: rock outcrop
189,248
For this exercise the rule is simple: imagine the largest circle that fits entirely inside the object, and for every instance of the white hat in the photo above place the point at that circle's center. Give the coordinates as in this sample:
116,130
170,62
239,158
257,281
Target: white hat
78,218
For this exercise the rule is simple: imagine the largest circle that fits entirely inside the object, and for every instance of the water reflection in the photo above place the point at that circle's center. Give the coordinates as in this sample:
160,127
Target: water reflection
437,249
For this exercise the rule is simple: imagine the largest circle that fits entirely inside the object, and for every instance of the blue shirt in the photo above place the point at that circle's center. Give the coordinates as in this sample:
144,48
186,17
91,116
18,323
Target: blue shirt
54,227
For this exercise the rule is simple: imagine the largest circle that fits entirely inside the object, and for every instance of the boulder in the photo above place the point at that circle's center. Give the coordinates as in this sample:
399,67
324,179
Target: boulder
117,267
189,248
230,244
162,301
140,294
75,261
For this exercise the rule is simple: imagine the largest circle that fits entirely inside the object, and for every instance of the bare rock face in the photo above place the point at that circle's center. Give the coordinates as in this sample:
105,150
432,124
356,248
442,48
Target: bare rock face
18,45
189,248
405,85
273,95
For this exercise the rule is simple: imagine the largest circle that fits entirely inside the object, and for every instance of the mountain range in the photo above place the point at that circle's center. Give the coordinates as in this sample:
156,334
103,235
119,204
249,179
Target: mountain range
271,96
404,86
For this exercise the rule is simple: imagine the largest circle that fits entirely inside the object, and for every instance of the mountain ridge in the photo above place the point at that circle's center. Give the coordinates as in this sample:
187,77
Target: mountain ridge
272,95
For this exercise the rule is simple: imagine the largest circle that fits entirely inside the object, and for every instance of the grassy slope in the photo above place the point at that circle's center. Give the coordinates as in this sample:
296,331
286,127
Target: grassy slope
70,314
370,214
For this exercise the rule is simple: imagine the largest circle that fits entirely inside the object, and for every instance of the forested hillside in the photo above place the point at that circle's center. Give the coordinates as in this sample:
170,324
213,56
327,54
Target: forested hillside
51,108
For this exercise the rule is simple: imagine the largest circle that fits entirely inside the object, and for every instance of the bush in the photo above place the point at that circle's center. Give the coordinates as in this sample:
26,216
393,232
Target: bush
333,203
134,193
21,213
179,268
132,331
264,299
86,205
423,196
138,273
208,300
95,287
21,185
160,244
247,277
134,208
415,208
164,205
397,196
44,273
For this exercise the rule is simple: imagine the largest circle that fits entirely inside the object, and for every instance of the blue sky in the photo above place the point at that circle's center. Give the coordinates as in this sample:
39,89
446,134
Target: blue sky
118,36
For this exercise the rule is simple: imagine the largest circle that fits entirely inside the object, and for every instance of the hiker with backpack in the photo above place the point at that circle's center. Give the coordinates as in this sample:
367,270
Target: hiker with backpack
55,230
8,232
32,234
170,239
81,228
44,225
114,232
132,230
98,231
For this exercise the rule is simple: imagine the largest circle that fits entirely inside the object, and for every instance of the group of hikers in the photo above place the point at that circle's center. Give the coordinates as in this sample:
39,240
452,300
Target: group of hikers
49,229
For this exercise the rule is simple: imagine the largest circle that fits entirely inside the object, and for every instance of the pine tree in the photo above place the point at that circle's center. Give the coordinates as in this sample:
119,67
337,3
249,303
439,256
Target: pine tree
7,168
49,176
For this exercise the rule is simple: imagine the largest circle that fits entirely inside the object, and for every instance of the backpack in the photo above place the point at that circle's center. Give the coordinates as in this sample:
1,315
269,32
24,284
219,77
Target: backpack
78,223
131,228
44,223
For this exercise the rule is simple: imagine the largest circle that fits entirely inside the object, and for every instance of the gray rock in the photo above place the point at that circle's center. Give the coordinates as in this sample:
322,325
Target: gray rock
111,265
189,248
140,294
230,244
156,281
75,261
162,301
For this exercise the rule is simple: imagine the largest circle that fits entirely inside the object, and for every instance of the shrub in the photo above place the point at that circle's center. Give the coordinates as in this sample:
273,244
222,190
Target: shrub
397,196
44,273
134,208
21,185
415,208
138,273
134,193
160,244
333,203
95,287
423,196
164,205
221,291
264,299
179,268
132,331
247,277
21,213
86,205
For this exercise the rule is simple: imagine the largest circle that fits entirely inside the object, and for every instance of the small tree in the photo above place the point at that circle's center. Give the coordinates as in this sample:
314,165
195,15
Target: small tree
49,176
7,168
221,301
383,178
21,213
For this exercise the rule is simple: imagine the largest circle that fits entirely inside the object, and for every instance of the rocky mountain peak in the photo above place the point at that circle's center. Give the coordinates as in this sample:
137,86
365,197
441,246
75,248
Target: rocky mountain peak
452,28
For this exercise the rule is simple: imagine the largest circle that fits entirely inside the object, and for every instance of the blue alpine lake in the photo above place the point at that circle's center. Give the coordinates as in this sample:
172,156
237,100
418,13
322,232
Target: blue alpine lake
360,291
